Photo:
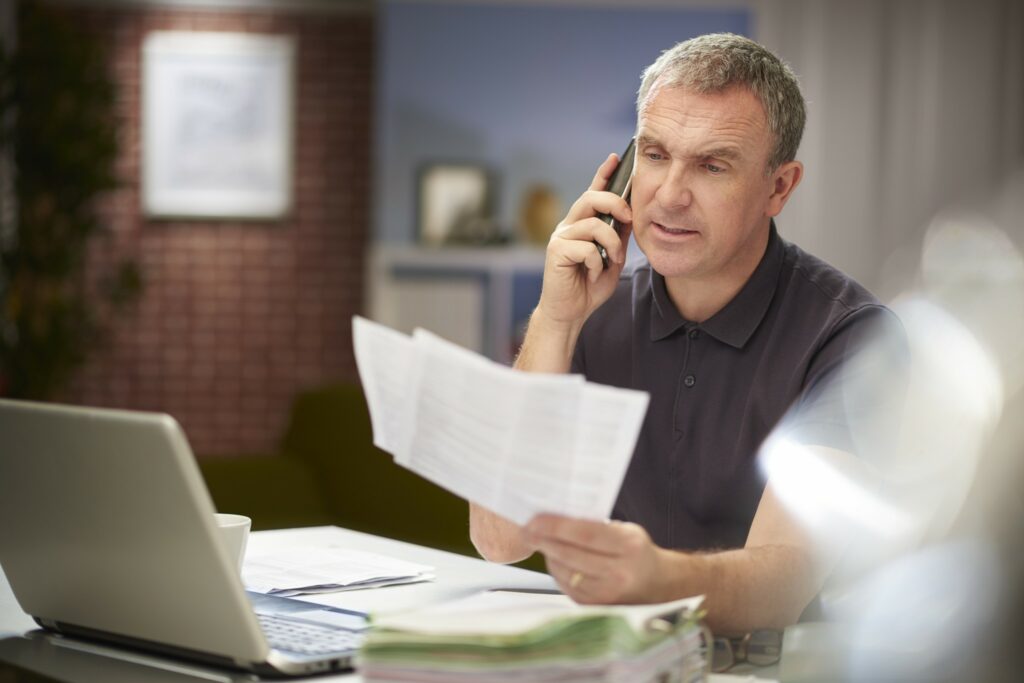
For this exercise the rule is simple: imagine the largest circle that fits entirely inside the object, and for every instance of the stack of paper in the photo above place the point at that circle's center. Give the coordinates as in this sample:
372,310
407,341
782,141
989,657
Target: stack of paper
503,636
324,569
517,443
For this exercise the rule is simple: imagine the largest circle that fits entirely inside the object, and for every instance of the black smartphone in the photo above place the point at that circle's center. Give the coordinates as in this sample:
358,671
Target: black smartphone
620,184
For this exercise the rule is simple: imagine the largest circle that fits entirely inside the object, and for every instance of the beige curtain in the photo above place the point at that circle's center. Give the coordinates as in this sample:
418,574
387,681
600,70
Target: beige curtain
914,105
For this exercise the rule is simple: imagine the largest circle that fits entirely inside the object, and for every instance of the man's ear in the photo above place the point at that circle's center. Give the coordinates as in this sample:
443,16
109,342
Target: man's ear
784,180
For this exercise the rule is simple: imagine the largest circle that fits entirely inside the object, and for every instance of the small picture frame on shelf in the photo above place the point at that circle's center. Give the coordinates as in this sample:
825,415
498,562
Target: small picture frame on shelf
455,205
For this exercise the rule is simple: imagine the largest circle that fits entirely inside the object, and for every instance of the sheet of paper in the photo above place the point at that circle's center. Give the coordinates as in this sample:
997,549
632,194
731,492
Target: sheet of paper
385,358
318,569
469,431
614,420
517,443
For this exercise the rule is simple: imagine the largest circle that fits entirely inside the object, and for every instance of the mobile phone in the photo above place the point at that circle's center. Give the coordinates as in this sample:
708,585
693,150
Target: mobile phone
620,183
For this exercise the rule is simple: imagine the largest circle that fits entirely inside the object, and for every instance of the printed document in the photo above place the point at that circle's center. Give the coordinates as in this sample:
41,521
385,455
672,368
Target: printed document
318,569
517,443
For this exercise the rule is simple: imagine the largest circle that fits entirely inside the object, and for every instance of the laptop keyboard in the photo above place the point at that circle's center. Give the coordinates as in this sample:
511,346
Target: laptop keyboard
290,635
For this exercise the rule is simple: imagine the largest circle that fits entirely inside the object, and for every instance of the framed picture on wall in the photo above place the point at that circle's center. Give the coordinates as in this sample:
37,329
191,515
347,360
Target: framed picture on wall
456,205
217,118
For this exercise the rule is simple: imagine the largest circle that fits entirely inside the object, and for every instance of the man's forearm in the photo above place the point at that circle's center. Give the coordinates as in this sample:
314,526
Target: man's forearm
548,345
746,589
496,538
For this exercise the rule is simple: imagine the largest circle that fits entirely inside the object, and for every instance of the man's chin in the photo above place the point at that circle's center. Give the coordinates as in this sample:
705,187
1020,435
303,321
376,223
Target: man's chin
670,265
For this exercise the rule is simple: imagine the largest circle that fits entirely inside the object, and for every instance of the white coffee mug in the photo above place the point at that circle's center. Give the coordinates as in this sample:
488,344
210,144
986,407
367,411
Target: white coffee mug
234,532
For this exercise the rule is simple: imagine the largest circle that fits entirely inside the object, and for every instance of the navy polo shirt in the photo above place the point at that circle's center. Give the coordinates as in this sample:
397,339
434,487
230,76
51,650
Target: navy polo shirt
719,387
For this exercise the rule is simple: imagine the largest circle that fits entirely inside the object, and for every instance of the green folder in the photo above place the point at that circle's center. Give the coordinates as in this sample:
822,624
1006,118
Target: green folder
536,637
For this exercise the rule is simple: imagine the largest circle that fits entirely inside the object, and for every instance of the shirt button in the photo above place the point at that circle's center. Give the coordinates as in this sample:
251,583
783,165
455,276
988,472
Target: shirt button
694,333
689,380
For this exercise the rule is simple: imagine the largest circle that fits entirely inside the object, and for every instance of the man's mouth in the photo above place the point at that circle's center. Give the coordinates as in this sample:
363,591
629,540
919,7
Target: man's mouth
673,231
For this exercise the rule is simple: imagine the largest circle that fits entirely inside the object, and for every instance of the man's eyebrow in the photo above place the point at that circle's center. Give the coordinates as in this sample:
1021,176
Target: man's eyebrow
727,153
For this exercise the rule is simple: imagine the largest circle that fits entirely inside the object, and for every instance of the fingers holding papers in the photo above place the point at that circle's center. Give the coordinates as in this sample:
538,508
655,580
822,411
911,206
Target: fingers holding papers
598,562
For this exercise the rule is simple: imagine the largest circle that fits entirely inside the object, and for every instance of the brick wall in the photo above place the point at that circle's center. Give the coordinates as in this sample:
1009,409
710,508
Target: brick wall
237,316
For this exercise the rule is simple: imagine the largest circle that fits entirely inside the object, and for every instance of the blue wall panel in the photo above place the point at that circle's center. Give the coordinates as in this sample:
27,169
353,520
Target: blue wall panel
537,93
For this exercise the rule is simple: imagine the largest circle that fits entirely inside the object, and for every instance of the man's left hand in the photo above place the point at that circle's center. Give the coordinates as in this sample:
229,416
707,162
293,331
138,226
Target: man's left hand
600,562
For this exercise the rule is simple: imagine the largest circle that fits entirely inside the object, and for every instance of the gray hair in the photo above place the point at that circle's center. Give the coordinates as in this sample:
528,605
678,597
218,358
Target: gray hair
714,62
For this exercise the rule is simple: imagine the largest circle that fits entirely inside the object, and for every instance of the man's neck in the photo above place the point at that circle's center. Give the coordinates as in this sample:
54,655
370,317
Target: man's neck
700,297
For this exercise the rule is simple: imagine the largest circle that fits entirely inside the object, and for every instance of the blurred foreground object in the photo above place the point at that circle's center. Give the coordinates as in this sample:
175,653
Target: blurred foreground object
930,534
58,120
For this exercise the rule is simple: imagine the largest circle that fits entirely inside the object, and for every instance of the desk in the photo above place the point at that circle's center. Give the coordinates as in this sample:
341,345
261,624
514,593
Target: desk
457,576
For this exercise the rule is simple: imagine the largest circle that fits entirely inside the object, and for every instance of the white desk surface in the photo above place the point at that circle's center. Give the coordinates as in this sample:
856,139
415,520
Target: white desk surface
457,576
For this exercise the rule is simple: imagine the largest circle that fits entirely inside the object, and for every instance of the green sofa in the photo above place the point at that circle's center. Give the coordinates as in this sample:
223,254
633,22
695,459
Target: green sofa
329,472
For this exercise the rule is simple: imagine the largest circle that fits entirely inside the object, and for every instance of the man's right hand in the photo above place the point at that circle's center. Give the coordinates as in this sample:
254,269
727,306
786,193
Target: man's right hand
575,280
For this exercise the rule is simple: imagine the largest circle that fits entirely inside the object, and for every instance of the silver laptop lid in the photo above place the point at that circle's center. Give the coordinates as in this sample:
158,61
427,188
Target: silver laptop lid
106,524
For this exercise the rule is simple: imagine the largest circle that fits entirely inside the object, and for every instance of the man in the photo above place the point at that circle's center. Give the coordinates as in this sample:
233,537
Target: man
726,326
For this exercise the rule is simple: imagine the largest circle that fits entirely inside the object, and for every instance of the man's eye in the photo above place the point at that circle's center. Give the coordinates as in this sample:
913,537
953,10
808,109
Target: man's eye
654,156
714,170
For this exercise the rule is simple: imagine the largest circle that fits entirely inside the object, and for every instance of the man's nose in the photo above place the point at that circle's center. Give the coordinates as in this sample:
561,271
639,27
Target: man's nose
674,191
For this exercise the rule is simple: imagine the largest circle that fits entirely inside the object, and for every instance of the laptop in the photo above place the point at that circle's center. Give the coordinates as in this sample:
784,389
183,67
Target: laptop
107,532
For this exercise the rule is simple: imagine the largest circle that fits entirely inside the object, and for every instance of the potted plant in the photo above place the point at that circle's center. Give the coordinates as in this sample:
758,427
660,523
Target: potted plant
59,131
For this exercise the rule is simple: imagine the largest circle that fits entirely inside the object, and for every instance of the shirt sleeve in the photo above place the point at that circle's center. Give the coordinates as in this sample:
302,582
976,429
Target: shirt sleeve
855,385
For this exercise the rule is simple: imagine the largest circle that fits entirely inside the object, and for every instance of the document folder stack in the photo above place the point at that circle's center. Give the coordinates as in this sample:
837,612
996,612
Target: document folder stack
502,636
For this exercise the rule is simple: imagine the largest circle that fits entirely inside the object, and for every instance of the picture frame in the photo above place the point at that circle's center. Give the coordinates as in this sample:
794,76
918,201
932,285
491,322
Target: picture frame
217,125
455,204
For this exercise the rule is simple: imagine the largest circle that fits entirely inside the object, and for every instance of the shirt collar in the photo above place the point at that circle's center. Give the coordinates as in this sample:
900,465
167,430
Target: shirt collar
736,322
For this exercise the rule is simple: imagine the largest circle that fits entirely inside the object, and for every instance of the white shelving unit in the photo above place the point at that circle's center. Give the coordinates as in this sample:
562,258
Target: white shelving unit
464,294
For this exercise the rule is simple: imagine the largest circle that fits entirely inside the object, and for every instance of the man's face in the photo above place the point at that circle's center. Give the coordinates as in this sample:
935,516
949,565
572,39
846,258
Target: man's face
700,192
